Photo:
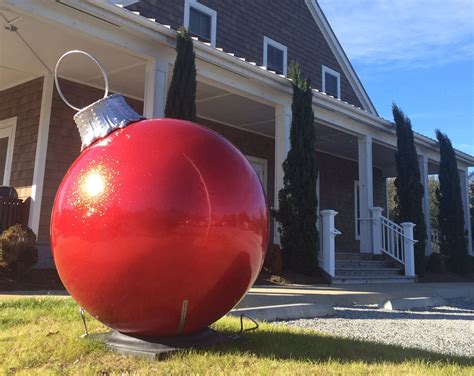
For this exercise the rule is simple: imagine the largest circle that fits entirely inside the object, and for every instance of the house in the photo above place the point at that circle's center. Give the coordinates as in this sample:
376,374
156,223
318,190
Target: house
242,52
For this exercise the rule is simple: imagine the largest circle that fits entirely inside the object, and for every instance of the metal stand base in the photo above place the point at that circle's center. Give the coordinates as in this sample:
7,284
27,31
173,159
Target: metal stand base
160,348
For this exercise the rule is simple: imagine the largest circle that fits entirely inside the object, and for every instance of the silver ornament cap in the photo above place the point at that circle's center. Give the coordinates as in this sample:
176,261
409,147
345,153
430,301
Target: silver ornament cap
103,117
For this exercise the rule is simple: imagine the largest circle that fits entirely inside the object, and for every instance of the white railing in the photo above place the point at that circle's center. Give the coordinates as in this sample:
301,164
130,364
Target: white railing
327,236
394,240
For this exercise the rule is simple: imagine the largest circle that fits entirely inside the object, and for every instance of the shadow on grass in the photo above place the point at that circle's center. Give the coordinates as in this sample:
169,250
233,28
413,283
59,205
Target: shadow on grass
314,347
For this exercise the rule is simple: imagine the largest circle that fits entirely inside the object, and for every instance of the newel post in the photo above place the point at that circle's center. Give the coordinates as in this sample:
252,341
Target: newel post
328,236
409,247
377,229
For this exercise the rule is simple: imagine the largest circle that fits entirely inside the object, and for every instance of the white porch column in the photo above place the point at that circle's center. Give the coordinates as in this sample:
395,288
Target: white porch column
463,178
366,194
40,156
423,163
156,85
282,147
409,247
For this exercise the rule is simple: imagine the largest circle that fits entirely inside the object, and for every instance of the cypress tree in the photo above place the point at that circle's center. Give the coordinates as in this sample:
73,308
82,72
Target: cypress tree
181,99
409,189
453,240
297,199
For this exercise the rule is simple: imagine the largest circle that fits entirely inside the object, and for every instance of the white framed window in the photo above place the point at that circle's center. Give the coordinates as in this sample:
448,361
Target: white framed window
7,142
200,21
331,82
357,209
275,56
260,166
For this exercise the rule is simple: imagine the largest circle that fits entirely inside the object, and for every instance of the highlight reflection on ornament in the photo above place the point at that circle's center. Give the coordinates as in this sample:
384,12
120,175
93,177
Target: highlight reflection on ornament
94,184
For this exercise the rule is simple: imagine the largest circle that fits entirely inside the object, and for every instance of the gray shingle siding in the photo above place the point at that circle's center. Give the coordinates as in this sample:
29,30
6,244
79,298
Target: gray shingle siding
242,24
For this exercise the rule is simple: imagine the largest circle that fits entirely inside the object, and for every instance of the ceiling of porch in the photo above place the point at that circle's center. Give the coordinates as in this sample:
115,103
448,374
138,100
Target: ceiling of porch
345,145
234,110
35,46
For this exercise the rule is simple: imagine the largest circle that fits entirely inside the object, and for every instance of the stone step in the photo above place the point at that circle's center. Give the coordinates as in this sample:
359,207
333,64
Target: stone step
359,256
364,264
368,272
368,280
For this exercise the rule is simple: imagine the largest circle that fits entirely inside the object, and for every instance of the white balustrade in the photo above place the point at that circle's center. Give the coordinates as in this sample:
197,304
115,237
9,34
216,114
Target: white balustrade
394,240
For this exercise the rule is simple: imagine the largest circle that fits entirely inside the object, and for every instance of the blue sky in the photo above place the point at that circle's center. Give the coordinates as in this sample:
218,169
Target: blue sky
418,53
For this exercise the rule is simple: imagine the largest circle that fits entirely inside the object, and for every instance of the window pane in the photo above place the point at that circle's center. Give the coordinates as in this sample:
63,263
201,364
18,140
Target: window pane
194,21
331,84
275,59
205,27
200,24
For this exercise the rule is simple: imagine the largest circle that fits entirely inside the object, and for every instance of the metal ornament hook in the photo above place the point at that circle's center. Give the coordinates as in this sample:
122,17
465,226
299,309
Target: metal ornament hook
106,80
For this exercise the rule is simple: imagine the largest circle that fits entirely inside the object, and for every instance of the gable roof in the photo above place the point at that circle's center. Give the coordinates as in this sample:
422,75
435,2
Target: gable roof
340,55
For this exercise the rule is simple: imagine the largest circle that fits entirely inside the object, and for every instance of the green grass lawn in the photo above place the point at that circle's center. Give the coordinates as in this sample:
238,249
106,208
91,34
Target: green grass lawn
41,336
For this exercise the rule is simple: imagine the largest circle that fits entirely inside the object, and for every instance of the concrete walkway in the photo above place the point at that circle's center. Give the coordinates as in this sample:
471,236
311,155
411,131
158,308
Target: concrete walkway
347,295
266,297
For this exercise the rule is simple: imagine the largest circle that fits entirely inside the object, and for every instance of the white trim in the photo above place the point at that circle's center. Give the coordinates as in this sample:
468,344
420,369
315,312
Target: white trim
202,8
283,116
356,210
41,150
334,73
8,129
264,163
340,55
268,41
156,85
366,191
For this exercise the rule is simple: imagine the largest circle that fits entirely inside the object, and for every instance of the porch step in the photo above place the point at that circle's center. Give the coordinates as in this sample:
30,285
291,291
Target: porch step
375,279
359,256
368,272
364,264
368,268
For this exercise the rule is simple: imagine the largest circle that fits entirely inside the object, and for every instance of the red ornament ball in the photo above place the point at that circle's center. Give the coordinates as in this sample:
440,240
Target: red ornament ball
160,228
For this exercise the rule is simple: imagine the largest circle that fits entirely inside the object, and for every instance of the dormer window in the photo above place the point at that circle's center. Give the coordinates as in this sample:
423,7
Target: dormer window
331,82
275,56
200,21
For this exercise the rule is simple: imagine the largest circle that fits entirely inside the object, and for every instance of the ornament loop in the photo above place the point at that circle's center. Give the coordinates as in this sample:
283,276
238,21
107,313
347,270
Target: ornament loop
106,80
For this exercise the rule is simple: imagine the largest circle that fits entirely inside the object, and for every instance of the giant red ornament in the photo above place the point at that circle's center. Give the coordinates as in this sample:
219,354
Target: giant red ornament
158,228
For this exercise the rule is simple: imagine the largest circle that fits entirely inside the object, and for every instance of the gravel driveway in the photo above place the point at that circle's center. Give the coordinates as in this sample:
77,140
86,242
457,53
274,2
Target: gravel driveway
448,329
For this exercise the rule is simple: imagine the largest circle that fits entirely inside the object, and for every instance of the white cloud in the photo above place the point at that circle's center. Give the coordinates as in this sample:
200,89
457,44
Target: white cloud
403,32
